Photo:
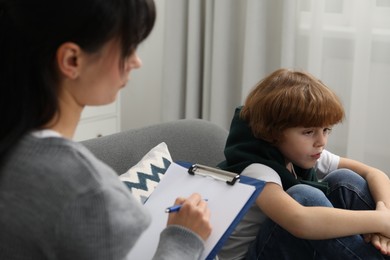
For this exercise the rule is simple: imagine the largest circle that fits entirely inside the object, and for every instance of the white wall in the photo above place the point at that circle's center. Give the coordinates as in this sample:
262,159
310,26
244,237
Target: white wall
336,60
140,102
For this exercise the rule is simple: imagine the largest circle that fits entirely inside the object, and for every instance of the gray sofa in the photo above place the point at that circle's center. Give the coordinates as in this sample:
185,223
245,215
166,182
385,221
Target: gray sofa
189,140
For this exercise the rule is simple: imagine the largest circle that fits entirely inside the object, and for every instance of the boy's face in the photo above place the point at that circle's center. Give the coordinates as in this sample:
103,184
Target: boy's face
303,146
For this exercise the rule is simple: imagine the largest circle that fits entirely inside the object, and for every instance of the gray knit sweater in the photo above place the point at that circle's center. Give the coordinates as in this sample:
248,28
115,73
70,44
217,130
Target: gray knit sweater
57,201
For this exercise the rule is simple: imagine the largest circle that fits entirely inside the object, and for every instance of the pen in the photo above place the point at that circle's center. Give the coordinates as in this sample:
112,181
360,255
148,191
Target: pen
174,208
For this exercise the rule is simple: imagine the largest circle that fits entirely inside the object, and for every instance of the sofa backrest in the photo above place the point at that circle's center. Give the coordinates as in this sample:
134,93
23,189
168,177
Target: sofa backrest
189,140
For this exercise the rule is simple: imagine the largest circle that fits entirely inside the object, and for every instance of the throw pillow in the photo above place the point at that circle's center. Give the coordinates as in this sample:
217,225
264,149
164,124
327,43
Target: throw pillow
143,177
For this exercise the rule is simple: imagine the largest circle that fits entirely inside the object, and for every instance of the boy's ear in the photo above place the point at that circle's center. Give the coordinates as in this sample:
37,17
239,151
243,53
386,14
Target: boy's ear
68,59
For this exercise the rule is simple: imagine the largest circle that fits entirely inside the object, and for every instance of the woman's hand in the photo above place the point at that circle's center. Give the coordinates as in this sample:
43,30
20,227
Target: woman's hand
194,214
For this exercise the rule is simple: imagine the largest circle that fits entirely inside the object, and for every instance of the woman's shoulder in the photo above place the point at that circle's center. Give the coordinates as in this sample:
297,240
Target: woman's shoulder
75,194
39,164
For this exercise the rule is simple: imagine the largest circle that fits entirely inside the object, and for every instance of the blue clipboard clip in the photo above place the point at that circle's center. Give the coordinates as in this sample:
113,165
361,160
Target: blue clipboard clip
215,173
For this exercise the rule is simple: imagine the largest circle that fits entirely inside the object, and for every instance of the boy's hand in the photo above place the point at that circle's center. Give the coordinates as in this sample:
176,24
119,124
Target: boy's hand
380,242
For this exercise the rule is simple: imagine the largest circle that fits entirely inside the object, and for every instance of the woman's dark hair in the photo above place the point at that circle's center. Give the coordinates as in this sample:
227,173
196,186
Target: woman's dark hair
30,34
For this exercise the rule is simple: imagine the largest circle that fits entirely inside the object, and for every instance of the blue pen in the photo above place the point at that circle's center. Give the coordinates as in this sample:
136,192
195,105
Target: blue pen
174,208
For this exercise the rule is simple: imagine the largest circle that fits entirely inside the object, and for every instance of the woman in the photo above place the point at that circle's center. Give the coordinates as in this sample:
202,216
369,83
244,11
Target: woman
57,200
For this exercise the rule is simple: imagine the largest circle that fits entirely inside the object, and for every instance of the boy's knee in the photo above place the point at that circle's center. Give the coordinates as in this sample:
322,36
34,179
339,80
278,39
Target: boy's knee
340,176
308,196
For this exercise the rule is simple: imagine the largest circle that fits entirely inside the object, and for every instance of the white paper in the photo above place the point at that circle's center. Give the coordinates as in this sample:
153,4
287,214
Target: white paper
225,202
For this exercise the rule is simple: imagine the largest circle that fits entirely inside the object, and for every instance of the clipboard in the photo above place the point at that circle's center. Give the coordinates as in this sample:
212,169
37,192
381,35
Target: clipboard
229,196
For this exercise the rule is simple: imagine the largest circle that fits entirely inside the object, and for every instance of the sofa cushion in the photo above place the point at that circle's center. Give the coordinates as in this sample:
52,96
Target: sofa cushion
143,177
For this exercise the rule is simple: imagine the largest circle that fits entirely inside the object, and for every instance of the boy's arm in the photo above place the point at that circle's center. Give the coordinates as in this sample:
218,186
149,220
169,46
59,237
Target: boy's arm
379,185
378,181
303,222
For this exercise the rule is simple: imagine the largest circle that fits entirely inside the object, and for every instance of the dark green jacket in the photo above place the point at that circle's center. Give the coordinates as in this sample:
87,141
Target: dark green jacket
243,148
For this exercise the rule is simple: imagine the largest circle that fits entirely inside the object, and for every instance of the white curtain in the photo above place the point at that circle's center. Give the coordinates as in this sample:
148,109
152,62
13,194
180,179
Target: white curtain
214,52
347,44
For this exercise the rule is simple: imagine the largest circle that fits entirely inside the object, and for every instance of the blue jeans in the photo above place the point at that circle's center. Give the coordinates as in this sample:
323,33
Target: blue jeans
348,191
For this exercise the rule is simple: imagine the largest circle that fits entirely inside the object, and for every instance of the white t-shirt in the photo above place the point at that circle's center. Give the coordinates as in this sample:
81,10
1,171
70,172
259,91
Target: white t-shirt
44,133
246,231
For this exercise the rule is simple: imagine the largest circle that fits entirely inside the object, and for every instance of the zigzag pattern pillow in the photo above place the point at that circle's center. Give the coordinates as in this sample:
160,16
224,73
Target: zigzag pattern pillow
143,177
